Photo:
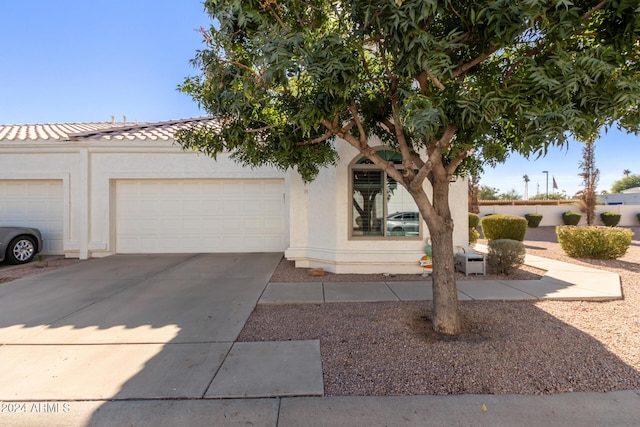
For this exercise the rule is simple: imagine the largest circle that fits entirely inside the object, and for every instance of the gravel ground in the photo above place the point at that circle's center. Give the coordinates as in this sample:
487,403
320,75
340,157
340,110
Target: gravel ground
13,272
507,347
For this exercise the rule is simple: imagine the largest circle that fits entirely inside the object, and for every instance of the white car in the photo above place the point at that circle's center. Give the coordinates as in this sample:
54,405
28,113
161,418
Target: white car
19,245
407,222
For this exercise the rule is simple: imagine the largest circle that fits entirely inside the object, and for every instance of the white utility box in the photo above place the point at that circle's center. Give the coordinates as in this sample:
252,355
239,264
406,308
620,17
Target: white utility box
472,263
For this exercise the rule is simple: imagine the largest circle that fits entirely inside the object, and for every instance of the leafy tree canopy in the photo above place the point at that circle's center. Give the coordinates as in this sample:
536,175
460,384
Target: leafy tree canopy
625,183
450,84
510,195
552,196
488,193
488,77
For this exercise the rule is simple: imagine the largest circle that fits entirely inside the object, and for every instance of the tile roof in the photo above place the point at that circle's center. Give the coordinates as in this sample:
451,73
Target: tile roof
159,131
57,131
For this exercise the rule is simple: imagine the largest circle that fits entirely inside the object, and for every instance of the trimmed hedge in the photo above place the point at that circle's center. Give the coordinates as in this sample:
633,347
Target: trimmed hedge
500,226
610,219
533,219
474,220
594,242
571,218
473,236
505,255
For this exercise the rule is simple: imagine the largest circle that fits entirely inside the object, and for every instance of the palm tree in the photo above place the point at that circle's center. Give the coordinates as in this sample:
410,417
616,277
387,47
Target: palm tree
526,186
626,172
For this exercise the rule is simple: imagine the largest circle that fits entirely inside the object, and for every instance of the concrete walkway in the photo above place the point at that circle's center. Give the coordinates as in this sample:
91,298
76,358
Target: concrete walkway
562,281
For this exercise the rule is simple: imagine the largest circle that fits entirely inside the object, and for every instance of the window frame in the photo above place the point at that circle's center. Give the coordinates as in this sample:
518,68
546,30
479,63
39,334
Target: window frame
354,166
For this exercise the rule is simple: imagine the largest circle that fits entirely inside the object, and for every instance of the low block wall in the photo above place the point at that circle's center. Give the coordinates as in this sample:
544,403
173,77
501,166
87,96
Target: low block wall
552,215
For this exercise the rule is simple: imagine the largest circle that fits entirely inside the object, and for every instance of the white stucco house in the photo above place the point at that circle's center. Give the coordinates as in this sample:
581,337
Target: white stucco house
97,189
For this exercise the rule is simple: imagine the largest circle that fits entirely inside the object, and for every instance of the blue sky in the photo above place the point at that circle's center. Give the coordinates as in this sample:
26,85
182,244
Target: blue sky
84,61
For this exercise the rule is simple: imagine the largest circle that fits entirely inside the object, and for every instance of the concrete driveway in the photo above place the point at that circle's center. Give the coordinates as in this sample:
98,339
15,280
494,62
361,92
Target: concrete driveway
134,326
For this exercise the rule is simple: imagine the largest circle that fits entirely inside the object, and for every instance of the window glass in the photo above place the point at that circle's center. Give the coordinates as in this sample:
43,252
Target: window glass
368,204
381,206
399,201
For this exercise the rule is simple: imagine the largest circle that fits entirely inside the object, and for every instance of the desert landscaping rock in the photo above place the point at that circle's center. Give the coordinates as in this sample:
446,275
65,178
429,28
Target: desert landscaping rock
507,347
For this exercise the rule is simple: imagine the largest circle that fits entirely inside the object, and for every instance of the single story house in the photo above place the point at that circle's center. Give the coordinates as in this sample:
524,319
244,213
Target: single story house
97,189
630,196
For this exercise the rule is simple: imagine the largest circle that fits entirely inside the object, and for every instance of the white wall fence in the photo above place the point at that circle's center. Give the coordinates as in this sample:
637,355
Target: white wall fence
552,215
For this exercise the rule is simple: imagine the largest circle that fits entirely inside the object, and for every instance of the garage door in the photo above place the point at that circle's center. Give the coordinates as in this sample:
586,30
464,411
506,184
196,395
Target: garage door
177,216
34,203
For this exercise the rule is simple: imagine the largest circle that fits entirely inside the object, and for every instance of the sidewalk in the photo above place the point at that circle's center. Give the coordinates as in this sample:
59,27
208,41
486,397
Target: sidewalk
562,281
621,408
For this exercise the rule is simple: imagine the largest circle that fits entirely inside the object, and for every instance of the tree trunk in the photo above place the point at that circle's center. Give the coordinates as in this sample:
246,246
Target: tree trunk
446,317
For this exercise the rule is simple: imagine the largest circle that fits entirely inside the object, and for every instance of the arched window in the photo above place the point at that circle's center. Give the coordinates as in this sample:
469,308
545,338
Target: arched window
380,207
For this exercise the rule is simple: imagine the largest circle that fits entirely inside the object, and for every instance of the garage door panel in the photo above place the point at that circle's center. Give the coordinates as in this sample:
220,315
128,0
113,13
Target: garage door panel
234,215
35,203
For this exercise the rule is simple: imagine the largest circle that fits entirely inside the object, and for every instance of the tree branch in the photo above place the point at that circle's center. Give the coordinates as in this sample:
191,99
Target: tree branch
275,15
532,52
389,125
245,67
447,136
460,38
259,129
469,65
453,165
407,158
422,80
317,140
356,117
596,8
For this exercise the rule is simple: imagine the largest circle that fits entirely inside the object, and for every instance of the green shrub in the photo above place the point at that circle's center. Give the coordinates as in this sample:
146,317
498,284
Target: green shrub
474,220
610,219
595,242
473,236
571,218
500,226
505,255
533,219
638,216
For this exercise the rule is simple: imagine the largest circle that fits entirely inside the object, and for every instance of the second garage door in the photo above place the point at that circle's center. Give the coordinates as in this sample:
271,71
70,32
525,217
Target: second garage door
214,215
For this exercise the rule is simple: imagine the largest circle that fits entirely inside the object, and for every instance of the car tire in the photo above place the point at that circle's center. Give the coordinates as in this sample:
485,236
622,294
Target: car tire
21,250
397,229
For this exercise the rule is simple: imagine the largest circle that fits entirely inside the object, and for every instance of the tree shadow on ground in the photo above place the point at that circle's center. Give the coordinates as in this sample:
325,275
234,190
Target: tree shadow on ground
390,349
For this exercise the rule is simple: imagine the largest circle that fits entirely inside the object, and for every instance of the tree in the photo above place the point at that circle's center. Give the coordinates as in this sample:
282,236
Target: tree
474,191
552,196
625,183
450,85
488,193
526,186
626,172
589,174
510,195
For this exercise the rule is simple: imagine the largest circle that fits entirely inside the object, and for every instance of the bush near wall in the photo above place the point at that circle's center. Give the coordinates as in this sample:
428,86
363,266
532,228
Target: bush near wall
610,219
594,242
571,218
474,220
500,226
533,219
638,216
505,255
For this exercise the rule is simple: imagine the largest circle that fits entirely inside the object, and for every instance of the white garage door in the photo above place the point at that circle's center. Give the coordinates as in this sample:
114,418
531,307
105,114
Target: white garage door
34,203
214,215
